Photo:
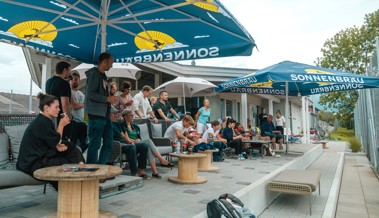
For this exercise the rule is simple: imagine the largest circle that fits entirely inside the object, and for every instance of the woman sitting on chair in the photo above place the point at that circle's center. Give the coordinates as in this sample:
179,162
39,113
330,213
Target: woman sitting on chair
131,134
42,145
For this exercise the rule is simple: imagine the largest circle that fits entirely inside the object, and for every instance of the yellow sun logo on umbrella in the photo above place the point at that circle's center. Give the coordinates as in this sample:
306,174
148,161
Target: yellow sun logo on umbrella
143,40
263,84
35,30
315,71
207,5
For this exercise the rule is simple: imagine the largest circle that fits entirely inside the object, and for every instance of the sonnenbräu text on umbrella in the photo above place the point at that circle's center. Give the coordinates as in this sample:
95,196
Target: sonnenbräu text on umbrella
335,88
326,78
173,56
239,82
249,90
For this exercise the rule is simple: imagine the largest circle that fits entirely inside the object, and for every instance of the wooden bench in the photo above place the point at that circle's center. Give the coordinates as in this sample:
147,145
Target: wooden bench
303,182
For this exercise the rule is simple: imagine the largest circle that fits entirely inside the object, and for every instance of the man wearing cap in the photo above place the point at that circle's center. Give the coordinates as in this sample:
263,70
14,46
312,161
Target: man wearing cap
131,150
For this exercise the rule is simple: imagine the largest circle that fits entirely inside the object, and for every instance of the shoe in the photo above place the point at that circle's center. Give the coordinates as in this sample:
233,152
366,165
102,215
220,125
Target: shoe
157,176
241,157
169,165
144,177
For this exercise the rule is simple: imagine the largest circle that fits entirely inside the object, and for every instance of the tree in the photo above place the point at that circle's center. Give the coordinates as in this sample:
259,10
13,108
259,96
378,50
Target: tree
349,50
327,116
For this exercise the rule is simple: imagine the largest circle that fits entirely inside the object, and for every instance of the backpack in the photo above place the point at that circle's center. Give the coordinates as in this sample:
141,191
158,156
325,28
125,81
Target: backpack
228,206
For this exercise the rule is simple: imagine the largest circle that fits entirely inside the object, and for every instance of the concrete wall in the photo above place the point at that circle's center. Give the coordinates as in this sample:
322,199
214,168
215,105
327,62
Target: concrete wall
256,197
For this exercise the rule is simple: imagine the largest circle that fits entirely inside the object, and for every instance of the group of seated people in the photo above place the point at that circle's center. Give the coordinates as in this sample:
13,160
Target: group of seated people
41,149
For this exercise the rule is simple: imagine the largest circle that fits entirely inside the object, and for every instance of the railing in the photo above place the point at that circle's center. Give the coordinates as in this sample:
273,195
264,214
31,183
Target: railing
366,120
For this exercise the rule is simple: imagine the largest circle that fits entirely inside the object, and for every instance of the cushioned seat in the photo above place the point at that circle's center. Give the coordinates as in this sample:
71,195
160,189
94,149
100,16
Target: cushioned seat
305,177
13,178
303,182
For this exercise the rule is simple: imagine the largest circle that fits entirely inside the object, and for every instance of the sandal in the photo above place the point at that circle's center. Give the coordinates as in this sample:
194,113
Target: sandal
144,176
169,165
157,176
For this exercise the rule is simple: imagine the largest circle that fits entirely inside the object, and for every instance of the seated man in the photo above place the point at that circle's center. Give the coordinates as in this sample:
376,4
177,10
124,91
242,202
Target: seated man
268,129
131,150
218,142
175,131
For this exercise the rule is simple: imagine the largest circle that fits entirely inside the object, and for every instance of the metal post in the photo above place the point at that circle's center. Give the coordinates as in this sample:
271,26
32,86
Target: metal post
30,95
11,102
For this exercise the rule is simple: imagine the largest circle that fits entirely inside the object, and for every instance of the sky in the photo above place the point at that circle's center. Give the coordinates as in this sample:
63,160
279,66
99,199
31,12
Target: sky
292,30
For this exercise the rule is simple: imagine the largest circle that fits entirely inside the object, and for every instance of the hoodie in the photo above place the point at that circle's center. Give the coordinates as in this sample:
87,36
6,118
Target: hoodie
95,102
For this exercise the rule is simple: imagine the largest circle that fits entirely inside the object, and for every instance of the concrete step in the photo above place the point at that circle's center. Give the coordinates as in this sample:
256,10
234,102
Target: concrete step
119,185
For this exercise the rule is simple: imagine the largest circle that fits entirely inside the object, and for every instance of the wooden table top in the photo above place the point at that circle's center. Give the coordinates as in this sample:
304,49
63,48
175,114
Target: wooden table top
56,173
257,141
188,156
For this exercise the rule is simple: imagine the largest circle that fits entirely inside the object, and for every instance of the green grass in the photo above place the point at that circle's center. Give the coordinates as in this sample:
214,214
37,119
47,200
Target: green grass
342,134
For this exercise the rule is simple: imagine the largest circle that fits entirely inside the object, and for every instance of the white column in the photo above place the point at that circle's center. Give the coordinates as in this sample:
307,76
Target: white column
46,73
303,119
157,79
307,119
244,110
271,107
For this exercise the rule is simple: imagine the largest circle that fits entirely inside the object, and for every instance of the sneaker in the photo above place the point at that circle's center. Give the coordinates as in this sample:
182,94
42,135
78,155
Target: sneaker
241,157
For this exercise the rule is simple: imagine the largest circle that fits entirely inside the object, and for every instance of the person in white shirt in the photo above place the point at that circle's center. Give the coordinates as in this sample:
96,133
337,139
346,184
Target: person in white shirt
79,127
176,131
142,108
212,134
280,122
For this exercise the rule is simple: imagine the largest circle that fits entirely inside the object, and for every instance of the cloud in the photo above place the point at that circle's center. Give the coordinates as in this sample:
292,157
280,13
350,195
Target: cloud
3,19
213,18
204,36
59,5
70,20
14,74
72,45
117,44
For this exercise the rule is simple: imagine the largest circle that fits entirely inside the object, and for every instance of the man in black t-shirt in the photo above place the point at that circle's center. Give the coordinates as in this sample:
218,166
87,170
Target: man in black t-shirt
163,106
60,88
262,116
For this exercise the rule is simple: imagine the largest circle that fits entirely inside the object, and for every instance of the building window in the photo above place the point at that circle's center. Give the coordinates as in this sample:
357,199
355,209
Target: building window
229,108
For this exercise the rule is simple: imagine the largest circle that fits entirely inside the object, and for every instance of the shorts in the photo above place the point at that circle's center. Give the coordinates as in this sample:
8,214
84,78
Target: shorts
201,128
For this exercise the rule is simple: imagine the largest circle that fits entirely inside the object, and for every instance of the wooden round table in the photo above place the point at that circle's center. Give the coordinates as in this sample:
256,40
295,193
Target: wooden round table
205,164
78,192
187,169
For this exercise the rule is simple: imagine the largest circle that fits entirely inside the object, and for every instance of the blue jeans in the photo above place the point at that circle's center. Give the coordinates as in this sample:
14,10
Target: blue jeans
220,146
131,155
99,129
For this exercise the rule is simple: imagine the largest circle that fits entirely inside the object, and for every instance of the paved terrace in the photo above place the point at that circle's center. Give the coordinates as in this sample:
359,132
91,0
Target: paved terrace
159,198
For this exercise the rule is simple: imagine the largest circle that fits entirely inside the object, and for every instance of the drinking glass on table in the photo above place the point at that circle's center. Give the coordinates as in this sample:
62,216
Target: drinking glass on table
184,143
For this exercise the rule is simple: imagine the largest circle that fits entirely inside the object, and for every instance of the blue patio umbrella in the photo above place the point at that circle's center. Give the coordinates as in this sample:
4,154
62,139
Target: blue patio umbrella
297,79
302,80
131,30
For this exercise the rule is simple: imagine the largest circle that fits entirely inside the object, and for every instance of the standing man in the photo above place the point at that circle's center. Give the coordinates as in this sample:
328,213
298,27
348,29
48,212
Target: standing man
79,127
97,105
142,107
262,116
163,106
60,88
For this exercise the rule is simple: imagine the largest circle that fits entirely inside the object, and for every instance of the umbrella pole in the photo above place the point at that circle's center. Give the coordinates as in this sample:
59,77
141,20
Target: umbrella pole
286,116
184,100
287,122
